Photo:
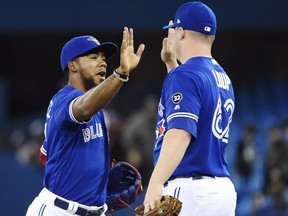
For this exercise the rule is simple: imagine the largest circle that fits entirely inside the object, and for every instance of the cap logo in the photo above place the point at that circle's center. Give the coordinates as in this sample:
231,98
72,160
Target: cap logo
207,28
94,40
178,21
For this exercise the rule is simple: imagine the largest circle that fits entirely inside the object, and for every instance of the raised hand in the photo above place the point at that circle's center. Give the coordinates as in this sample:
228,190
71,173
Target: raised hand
168,52
128,59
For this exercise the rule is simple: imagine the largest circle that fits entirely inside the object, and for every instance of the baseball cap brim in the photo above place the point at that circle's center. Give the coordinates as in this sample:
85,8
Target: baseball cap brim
170,26
108,48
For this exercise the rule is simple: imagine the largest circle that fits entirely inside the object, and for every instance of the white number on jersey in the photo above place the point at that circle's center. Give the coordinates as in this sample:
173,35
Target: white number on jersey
217,124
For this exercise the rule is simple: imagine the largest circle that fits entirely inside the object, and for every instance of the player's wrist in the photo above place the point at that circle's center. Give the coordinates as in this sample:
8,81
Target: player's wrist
121,76
120,70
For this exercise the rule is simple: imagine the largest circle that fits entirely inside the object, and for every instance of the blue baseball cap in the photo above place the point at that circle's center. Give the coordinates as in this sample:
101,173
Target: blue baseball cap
81,45
195,16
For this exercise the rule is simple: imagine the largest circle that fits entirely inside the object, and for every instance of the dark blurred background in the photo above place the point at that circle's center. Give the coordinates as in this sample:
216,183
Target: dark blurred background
251,44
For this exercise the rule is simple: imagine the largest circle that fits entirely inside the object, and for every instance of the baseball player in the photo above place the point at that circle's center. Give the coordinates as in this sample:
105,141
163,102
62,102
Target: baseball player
194,114
76,147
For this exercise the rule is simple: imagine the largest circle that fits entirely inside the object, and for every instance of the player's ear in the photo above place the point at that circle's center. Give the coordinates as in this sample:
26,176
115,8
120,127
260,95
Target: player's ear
72,65
182,32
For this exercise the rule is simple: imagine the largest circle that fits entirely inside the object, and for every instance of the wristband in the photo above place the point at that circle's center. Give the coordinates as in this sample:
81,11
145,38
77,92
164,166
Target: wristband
122,77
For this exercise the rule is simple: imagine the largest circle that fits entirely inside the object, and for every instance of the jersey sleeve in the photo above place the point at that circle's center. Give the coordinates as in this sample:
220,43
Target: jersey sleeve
43,148
43,153
62,111
183,101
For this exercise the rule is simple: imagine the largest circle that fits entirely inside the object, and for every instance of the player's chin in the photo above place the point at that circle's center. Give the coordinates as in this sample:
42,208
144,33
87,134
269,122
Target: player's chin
99,79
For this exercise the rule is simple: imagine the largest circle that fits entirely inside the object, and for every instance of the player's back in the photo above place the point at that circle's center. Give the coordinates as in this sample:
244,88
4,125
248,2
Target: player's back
212,106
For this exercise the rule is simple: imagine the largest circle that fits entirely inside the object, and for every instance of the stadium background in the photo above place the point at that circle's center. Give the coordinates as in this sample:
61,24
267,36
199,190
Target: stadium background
251,45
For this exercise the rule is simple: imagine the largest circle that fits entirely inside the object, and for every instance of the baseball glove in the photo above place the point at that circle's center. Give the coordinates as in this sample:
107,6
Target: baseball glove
169,206
124,186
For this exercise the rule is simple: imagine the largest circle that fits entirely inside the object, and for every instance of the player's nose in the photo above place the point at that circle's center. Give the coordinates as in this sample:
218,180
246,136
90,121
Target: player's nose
103,64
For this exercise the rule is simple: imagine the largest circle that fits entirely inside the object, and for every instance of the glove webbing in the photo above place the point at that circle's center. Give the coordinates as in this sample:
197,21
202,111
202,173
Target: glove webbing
124,203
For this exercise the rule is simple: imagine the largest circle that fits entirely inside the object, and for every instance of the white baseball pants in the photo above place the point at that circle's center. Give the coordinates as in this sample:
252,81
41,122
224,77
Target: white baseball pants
43,205
205,197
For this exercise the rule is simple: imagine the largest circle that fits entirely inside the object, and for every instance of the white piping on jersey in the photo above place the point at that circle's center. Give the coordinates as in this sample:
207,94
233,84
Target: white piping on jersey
43,150
182,114
71,113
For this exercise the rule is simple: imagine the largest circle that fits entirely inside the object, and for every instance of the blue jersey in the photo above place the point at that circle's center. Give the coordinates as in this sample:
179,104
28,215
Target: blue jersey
197,97
78,160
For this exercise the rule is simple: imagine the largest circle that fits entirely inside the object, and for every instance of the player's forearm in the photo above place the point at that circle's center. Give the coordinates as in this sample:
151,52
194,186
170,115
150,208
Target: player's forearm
171,66
173,149
96,99
170,62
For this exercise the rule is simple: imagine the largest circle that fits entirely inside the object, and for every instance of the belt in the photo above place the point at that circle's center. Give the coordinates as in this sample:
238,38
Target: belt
192,178
202,177
80,211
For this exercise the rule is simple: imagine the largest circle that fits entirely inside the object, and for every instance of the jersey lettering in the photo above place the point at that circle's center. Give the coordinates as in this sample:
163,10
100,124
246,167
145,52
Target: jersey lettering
49,109
91,133
217,124
47,116
222,80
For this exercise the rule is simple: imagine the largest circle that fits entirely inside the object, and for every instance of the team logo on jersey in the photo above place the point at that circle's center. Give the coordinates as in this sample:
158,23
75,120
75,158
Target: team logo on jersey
160,129
177,97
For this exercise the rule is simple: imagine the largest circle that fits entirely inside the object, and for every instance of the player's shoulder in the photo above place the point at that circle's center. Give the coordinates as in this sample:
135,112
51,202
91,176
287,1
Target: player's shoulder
69,90
186,70
196,70
202,66
67,93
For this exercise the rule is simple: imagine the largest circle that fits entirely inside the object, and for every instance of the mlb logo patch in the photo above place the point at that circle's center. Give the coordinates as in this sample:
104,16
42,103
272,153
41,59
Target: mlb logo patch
207,28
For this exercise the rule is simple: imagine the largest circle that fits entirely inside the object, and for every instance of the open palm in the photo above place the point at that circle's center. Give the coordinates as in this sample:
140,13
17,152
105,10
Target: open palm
128,59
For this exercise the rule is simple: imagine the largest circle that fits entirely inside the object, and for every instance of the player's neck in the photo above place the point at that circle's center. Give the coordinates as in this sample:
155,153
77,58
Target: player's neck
77,85
190,48
191,53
